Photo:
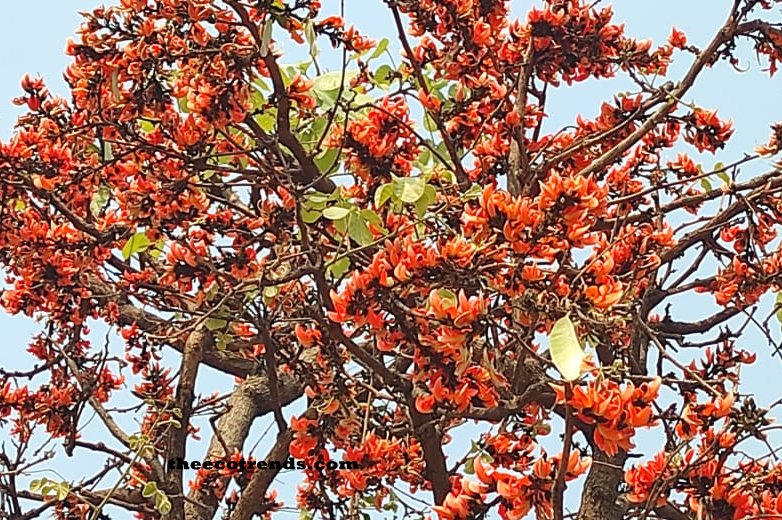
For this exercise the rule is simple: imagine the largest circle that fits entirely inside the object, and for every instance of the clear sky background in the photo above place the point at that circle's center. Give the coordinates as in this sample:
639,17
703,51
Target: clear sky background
33,35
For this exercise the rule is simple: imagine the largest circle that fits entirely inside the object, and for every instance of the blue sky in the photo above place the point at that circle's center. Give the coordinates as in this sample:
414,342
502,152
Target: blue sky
33,35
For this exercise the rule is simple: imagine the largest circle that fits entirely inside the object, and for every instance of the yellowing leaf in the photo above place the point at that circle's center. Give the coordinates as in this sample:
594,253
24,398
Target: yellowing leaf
566,351
150,488
336,213
409,189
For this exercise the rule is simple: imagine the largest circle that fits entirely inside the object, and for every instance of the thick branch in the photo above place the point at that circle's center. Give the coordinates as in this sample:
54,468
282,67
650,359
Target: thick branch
251,399
196,342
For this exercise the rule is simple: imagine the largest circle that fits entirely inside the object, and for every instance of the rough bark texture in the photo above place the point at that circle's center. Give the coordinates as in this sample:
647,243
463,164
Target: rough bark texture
251,399
601,489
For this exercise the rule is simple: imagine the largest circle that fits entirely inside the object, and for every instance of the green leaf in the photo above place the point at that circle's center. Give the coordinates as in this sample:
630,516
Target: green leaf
340,267
384,75
566,351
162,504
469,466
382,194
779,306
341,225
371,217
409,189
706,184
336,213
425,156
271,292
719,169
326,159
222,340
156,251
382,45
429,123
146,126
724,177
35,485
63,489
317,200
182,104
326,86
214,324
474,192
99,200
312,38
266,121
136,244
330,81
428,198
150,488
266,39
359,231
449,296
310,216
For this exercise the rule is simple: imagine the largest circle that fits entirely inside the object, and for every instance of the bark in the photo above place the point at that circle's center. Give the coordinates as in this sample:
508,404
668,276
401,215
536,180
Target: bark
191,360
601,489
252,499
251,400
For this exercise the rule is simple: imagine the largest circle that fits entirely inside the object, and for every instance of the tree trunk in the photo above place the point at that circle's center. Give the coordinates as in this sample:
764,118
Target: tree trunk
601,488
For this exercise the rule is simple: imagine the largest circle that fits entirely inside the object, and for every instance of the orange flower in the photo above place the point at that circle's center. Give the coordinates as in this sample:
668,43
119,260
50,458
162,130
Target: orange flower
606,294
677,38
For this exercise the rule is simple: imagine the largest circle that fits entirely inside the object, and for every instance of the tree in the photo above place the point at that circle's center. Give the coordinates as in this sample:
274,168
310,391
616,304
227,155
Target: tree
396,249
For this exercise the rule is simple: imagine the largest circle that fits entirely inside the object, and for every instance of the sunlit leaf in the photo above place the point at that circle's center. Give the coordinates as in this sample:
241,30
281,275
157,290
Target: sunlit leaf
309,33
336,212
566,351
382,45
137,243
382,194
156,251
409,189
150,488
384,75
266,121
